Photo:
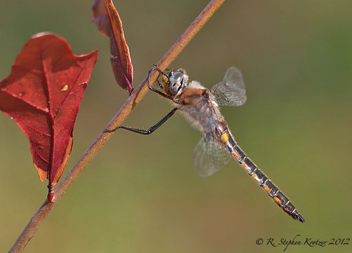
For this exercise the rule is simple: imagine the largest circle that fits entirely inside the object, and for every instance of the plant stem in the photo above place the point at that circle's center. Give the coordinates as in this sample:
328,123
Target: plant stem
120,116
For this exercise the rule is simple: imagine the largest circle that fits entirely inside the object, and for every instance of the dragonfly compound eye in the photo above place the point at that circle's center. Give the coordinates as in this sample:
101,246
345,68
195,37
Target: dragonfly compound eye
177,82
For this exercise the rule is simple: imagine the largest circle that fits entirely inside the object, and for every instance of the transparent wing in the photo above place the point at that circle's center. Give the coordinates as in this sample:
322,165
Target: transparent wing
199,115
230,91
209,157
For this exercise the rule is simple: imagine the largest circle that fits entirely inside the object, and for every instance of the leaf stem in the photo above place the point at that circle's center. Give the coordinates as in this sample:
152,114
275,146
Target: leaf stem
120,116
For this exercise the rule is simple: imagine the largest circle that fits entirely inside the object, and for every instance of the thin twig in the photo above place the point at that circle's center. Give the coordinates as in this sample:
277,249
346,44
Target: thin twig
121,115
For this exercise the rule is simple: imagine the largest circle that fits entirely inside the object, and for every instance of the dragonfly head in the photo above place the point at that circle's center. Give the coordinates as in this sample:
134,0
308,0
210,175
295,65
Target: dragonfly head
176,83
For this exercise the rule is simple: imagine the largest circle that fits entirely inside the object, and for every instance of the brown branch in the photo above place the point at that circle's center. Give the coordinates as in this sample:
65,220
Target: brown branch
121,115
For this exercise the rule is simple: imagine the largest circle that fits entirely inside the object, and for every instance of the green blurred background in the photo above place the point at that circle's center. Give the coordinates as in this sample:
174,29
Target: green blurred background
140,194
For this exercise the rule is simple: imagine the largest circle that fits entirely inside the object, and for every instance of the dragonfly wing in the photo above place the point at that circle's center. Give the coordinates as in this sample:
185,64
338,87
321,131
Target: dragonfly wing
230,91
209,157
200,115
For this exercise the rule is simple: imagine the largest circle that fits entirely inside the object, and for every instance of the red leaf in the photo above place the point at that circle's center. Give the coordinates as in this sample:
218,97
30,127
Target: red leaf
108,22
43,94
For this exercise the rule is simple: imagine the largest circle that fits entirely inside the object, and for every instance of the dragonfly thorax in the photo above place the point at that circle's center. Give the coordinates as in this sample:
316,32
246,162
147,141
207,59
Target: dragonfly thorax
177,82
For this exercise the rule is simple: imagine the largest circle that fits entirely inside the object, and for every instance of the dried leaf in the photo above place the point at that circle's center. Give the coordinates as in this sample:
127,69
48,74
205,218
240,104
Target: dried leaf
109,24
43,94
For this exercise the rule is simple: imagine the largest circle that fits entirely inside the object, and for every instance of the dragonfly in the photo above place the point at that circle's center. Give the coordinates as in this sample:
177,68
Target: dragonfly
217,146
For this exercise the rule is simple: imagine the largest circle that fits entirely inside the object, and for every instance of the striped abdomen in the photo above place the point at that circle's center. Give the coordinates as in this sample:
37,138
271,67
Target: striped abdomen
273,191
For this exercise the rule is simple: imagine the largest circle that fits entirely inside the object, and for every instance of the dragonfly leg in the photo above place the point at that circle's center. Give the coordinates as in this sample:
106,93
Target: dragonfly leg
162,72
155,90
146,131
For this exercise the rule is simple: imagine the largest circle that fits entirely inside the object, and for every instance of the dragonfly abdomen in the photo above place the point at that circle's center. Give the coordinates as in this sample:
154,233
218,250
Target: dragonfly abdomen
273,191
